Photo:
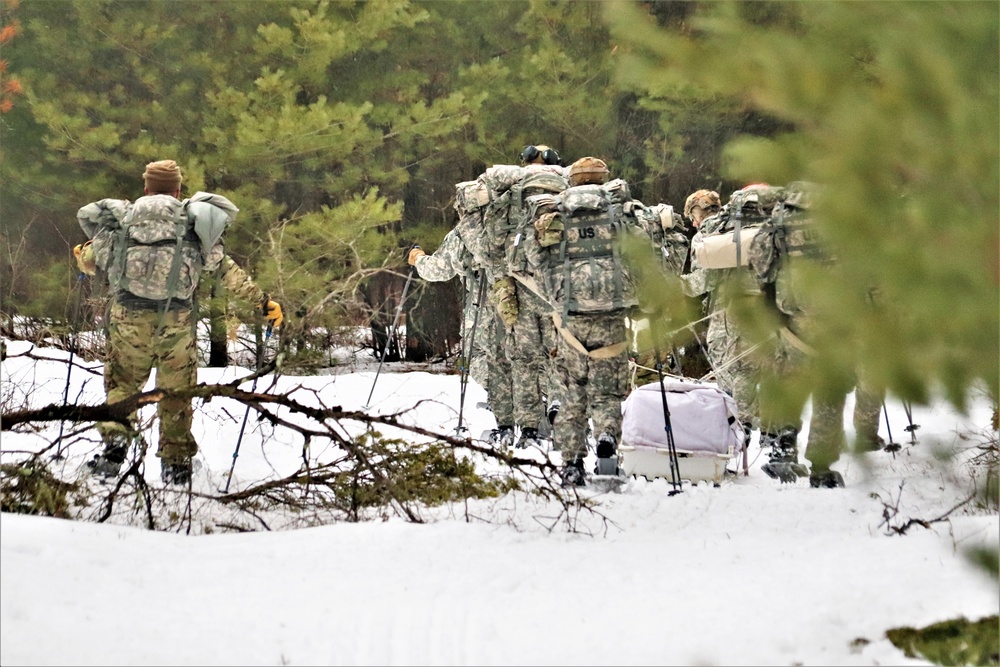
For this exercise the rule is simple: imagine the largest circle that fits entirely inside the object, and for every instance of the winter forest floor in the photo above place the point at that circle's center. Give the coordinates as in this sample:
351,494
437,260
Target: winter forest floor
749,572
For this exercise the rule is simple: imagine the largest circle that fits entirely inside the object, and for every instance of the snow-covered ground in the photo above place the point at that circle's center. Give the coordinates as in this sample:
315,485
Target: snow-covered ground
746,573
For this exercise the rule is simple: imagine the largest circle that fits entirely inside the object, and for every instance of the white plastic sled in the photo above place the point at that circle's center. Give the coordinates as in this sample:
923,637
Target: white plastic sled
706,429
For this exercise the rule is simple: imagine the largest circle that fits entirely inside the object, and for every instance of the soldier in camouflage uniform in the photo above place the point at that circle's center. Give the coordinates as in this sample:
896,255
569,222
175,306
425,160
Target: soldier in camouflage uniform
525,317
154,250
826,426
589,286
736,370
793,353
457,256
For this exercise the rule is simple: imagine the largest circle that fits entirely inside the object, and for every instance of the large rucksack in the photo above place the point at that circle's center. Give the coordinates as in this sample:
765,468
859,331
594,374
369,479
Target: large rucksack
757,228
724,239
584,271
788,232
156,247
507,216
471,199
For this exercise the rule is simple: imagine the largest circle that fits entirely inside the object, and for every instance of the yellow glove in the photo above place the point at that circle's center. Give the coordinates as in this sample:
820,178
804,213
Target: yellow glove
415,254
505,296
272,313
84,253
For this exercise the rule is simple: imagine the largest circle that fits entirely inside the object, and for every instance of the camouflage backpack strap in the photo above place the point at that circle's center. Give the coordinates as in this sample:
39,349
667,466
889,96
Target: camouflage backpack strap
181,227
616,256
587,246
606,352
119,245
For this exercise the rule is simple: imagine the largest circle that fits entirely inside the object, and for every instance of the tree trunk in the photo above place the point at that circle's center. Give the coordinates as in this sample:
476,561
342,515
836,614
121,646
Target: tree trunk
434,320
218,339
382,292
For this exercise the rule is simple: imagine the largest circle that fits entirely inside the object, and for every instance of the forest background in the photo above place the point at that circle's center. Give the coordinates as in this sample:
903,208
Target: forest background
341,128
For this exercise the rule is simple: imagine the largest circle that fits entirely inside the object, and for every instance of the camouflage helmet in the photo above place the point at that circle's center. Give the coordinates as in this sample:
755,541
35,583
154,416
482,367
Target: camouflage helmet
588,170
706,199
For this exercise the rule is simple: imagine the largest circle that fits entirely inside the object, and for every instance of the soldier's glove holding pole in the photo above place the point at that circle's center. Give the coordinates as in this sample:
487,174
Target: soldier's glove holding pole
272,312
84,254
415,253
505,296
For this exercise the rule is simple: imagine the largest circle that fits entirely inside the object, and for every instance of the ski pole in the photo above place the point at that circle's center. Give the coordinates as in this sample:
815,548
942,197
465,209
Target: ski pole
912,428
74,335
467,355
892,447
675,469
246,414
392,332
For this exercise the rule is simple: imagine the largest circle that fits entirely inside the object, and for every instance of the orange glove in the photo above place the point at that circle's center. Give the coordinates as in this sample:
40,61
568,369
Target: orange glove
272,313
414,255
84,253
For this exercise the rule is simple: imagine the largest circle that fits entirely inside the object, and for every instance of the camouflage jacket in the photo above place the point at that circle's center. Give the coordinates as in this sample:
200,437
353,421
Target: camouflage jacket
452,259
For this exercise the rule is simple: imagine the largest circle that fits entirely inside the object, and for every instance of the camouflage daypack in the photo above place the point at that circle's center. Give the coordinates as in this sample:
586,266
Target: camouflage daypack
584,272
156,247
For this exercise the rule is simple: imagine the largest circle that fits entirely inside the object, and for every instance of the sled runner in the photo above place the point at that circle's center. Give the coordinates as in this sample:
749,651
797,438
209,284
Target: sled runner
706,428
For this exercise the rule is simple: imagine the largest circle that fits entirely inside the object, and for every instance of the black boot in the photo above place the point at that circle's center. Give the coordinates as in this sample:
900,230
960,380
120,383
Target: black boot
552,412
865,443
177,473
607,455
572,474
783,463
529,438
108,463
826,479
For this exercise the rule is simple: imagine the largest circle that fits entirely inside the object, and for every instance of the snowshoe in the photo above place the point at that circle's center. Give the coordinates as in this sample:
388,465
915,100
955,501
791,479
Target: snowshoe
784,471
108,463
529,438
177,473
783,464
572,474
501,437
827,479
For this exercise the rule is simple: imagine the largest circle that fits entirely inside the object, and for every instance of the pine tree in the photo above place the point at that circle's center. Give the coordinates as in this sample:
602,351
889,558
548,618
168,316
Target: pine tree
893,108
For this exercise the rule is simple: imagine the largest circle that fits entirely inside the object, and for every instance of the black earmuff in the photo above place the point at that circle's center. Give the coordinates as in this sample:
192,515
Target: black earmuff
549,156
529,153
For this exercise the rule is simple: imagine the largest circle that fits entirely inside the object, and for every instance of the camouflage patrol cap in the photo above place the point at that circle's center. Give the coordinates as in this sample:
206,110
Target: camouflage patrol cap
706,199
588,170
162,176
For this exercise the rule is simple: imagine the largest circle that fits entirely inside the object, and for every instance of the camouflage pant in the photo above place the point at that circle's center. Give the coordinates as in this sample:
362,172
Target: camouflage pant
735,374
531,346
134,349
592,388
490,366
826,426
